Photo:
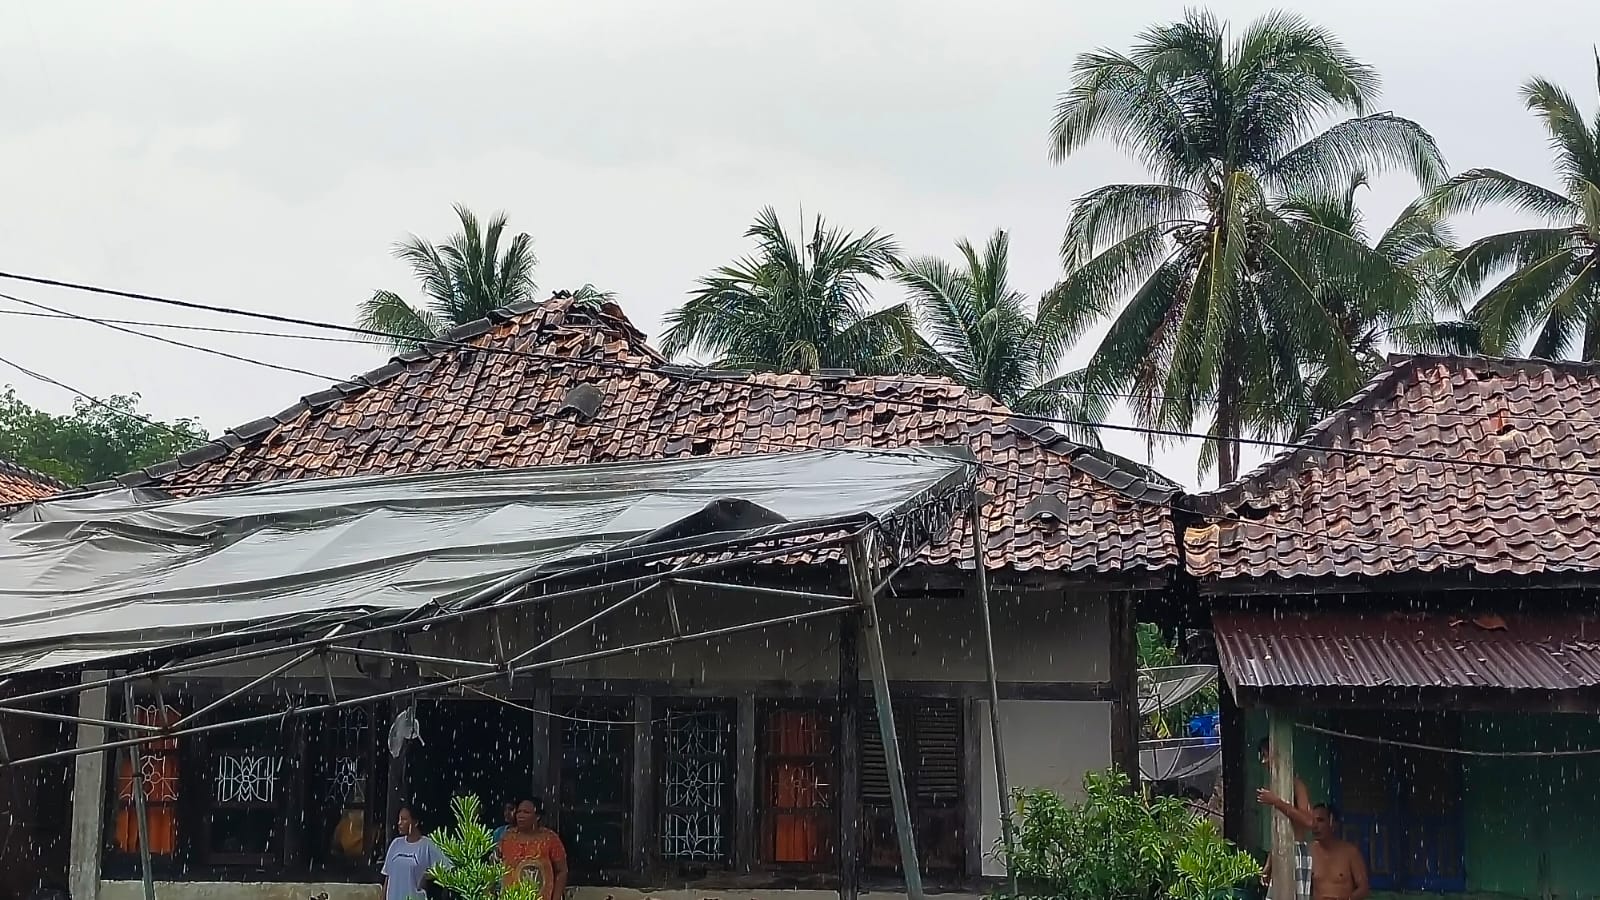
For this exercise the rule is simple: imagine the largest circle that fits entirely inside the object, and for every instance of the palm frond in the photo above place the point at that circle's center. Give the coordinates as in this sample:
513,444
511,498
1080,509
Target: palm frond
1576,147
1109,214
1371,144
1476,188
407,325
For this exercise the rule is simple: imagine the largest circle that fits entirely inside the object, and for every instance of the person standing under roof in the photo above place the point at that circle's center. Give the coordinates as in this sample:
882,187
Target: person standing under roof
534,854
411,855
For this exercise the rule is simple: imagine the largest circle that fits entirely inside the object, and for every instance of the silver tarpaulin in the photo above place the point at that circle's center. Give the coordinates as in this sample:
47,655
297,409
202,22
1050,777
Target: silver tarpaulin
129,571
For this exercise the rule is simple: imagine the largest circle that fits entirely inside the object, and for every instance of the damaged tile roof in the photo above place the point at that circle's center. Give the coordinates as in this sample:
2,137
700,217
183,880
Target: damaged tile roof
19,484
596,392
1520,492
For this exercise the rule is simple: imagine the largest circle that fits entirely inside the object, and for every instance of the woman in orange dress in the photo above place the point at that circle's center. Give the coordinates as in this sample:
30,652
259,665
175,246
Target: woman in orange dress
534,854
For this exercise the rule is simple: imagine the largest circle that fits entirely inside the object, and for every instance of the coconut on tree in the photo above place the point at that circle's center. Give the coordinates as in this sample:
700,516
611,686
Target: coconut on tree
1220,288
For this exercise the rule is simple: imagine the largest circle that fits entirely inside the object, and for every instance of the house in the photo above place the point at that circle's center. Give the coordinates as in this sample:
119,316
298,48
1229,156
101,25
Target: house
1407,605
20,485
1073,537
33,849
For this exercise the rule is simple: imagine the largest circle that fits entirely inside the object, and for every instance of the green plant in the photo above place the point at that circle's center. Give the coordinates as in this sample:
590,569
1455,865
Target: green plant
475,872
1208,867
1119,844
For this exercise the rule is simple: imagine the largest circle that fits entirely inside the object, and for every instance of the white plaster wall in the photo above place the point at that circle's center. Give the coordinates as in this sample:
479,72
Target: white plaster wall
1048,745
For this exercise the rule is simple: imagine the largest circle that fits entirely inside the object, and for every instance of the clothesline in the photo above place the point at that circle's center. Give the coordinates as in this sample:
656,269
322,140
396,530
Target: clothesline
1459,751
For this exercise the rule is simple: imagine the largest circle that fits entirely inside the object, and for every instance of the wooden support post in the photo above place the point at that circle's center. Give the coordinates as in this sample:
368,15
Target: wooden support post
849,758
136,768
1235,752
644,785
543,774
744,787
972,788
877,666
1280,767
1124,637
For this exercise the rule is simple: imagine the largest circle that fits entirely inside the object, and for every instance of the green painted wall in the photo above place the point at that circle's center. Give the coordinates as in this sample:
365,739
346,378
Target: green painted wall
1532,824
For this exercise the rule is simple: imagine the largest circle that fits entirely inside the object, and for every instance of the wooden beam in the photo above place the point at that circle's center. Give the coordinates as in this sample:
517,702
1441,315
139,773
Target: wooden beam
745,821
849,758
1124,657
1234,754
972,787
1065,691
644,787
1280,764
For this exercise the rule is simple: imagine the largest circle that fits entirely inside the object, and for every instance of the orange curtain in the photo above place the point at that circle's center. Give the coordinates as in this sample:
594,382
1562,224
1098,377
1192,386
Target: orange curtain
159,769
796,786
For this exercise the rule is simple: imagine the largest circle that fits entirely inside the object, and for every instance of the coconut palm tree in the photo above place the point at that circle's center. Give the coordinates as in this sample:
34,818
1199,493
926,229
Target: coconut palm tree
1546,280
794,306
462,279
1225,125
1370,316
983,330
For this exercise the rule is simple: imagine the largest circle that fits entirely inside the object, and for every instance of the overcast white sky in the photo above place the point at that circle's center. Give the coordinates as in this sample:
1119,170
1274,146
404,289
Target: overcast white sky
267,155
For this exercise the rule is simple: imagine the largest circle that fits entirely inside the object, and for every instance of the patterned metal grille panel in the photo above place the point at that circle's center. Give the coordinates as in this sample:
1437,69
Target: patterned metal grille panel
695,786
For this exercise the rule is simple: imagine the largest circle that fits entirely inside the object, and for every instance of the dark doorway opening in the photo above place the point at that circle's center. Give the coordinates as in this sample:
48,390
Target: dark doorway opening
470,747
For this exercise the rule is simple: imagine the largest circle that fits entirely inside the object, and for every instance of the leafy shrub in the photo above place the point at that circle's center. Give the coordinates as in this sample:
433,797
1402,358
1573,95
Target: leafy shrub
1119,844
475,871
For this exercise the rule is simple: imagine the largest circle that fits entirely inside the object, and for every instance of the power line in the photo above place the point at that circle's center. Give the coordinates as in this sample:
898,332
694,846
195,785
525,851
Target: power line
1318,411
39,376
1147,431
177,326
166,340
1020,474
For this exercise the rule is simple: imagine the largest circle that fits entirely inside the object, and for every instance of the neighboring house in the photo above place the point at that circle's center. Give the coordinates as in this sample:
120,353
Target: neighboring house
33,848
1377,611
20,485
1074,538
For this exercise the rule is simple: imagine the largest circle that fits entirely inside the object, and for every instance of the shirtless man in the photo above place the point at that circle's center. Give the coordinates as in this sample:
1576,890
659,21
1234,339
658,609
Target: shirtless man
1337,870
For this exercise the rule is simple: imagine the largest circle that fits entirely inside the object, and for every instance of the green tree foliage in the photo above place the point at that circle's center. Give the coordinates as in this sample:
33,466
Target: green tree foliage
1221,290
475,871
1119,844
800,306
96,441
1540,282
462,279
984,331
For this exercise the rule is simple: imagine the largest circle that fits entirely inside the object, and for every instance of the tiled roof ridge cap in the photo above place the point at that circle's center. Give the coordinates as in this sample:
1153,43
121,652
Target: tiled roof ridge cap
15,468
562,307
1386,385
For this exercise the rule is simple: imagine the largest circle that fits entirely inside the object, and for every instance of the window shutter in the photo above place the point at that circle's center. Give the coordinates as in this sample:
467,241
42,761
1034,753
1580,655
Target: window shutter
938,750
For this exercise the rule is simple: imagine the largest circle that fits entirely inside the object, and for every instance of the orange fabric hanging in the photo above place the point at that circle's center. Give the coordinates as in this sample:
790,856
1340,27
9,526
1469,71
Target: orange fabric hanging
159,770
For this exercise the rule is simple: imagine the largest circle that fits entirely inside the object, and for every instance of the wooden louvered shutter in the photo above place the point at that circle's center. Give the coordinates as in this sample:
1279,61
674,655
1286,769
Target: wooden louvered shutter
930,751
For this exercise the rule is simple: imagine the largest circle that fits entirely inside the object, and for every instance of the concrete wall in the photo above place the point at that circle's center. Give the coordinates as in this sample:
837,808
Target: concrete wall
1048,745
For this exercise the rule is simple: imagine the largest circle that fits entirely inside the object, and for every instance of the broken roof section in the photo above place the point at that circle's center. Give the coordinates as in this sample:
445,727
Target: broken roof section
565,382
19,484
135,570
1498,474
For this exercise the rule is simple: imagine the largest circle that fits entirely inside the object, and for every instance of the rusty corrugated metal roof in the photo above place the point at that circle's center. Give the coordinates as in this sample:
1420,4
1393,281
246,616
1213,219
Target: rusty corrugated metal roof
1408,650
1492,470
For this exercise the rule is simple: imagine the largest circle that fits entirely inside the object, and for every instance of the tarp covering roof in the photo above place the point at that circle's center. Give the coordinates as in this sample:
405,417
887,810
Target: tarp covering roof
133,570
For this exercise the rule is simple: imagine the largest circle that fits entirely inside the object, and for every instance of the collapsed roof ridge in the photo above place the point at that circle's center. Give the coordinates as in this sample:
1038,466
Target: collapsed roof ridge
558,310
